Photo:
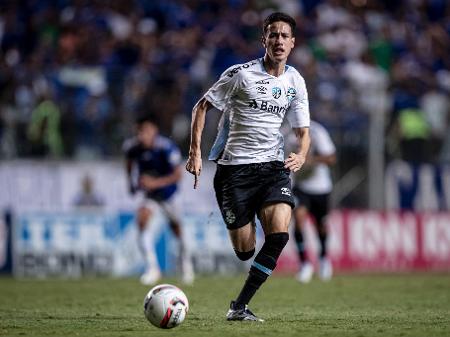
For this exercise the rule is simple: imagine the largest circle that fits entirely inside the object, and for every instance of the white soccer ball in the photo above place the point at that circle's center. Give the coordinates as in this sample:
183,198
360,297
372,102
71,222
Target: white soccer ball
166,306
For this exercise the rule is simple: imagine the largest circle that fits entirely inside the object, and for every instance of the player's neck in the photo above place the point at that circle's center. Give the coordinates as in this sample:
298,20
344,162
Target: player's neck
274,68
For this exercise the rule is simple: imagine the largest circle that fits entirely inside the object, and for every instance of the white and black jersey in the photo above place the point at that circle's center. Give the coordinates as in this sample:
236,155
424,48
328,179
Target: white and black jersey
254,105
319,179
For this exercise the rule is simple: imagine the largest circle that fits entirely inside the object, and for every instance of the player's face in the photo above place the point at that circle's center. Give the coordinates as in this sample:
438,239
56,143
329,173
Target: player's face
278,41
147,133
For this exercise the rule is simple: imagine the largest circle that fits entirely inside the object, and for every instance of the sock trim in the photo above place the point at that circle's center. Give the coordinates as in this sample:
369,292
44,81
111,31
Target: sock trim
260,267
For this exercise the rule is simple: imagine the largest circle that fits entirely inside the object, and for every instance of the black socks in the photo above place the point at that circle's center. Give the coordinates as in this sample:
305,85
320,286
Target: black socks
300,245
262,267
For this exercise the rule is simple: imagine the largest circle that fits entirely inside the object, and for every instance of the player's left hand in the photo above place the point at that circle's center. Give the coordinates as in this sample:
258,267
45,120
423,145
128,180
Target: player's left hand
294,162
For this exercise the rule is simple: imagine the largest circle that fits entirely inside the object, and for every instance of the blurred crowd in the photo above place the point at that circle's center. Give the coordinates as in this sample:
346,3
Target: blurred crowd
74,75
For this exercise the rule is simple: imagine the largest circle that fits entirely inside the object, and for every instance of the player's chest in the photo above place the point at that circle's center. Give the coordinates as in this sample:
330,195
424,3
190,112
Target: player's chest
270,89
151,157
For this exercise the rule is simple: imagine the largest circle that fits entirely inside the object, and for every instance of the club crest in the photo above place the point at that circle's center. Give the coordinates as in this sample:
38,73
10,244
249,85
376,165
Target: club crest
276,92
291,94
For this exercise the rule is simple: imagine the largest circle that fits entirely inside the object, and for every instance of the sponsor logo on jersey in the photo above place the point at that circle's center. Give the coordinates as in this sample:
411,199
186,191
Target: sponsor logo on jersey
276,92
266,106
262,82
285,191
291,94
261,90
235,70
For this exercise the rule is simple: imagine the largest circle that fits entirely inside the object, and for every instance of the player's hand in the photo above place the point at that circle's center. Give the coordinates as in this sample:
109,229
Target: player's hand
194,166
148,182
294,162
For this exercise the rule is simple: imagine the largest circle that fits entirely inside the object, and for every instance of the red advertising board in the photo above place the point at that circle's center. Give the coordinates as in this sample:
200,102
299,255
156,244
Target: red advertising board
380,241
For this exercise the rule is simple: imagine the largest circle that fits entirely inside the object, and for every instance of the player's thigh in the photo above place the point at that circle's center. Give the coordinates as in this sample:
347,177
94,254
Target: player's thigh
275,217
172,210
243,238
143,216
300,216
319,209
236,189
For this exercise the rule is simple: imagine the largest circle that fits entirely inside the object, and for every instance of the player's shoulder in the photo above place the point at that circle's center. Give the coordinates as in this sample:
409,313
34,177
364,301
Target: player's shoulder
164,143
318,129
130,144
241,69
294,74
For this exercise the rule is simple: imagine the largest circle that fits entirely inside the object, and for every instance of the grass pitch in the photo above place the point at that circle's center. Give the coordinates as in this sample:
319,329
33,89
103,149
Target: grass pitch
349,305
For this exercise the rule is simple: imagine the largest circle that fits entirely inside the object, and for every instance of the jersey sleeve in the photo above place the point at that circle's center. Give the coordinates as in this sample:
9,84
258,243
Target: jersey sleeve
323,142
221,91
298,113
174,156
128,148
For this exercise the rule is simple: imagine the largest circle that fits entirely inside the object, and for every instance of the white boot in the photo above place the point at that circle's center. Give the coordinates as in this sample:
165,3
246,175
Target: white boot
325,269
150,277
306,272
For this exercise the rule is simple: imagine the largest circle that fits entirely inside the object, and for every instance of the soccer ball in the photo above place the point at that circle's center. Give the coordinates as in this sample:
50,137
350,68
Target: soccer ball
166,306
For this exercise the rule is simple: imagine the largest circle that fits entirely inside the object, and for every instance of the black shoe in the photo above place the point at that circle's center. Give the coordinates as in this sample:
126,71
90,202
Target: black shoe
242,314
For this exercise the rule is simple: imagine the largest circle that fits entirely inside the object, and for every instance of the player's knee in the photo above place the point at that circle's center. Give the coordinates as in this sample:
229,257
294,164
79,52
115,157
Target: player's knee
300,215
143,216
175,227
244,256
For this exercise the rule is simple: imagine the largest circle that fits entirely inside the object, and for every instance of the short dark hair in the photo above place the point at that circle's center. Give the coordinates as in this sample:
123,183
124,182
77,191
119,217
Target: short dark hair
147,119
278,16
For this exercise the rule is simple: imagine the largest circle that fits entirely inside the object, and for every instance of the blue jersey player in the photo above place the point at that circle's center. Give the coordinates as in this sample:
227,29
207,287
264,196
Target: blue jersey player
153,166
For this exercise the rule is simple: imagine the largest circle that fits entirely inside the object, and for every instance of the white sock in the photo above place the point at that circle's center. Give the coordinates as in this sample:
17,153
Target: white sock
146,240
185,255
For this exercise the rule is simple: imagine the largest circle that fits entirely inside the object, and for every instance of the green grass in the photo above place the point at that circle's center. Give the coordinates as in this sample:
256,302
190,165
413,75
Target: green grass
349,305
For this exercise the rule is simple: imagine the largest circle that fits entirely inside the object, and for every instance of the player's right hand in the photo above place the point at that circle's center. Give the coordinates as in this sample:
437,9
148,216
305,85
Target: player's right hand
194,166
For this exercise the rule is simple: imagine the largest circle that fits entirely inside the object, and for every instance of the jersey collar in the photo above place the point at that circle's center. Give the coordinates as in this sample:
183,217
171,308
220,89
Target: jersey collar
261,62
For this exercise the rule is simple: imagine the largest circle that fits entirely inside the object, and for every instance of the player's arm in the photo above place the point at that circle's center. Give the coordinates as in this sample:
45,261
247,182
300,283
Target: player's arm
296,160
194,162
128,170
153,183
329,159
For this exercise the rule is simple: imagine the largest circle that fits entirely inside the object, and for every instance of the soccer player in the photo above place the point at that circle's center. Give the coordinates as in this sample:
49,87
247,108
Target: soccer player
312,190
153,166
253,176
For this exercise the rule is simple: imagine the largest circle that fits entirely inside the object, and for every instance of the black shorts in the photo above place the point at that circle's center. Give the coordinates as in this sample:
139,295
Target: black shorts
317,204
242,190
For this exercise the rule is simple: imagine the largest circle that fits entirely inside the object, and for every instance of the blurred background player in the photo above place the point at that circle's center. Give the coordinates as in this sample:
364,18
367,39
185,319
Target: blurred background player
312,188
153,167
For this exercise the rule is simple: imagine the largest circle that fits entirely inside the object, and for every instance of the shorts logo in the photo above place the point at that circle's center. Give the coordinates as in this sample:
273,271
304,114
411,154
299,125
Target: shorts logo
276,92
285,191
230,218
291,94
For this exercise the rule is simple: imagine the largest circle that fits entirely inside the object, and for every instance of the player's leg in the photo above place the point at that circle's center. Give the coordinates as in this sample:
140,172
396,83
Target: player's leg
319,209
243,240
235,196
171,210
274,209
300,217
146,242
275,220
